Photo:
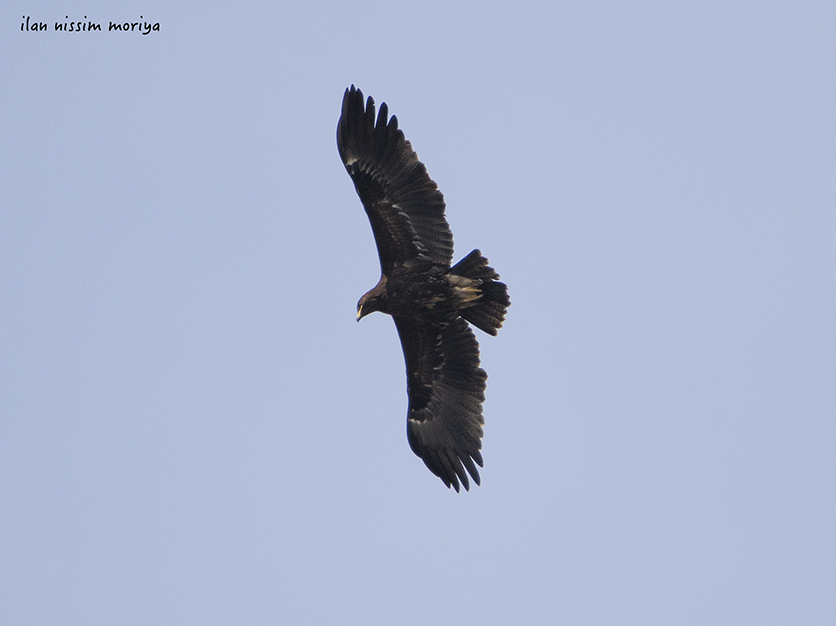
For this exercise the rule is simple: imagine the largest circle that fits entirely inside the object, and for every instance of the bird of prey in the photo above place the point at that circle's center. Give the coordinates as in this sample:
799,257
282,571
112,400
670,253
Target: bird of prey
430,301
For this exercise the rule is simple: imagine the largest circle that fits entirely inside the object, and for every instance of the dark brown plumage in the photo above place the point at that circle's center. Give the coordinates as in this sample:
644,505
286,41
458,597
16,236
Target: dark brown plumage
430,301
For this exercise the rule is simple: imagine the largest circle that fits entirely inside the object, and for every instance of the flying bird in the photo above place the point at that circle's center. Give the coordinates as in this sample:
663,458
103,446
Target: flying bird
430,301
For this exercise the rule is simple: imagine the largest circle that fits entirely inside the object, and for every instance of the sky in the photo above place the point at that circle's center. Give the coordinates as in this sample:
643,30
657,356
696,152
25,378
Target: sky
195,430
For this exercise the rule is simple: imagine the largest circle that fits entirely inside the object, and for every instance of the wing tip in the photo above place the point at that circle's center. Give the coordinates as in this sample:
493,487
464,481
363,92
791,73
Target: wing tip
460,476
452,466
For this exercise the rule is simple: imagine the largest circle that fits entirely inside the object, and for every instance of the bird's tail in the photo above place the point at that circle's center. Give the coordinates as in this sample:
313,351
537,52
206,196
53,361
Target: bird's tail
490,300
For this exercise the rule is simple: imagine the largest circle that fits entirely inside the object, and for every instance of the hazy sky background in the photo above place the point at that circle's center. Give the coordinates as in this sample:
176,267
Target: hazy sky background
193,428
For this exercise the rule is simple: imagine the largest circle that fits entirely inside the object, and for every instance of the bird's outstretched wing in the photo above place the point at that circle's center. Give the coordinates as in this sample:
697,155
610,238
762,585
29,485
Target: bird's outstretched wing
446,389
404,205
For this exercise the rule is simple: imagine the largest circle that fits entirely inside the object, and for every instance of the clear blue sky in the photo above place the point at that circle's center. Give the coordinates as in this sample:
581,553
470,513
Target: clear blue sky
193,428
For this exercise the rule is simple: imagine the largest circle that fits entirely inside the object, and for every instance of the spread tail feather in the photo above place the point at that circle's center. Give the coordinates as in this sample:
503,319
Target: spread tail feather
492,300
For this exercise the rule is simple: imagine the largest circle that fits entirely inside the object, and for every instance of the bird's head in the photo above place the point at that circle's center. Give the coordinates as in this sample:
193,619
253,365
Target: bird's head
373,300
368,304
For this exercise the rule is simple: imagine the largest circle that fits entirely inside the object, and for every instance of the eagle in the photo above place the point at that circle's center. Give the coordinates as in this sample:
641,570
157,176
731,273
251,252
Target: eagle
430,301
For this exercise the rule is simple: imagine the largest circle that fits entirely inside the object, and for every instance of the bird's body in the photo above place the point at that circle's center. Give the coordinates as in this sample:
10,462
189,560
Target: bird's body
430,301
429,291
